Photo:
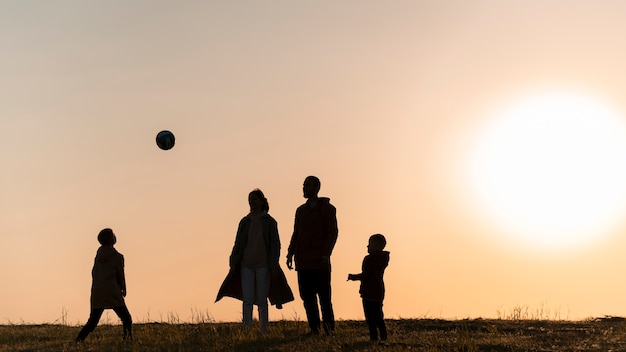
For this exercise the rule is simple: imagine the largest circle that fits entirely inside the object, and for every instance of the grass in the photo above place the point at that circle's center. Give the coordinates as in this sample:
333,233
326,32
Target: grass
605,334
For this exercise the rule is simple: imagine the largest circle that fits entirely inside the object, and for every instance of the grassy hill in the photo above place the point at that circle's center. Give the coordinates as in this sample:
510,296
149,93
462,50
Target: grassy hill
605,334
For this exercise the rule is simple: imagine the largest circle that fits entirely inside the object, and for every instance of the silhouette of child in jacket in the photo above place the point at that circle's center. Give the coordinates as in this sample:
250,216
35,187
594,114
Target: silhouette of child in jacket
108,287
373,287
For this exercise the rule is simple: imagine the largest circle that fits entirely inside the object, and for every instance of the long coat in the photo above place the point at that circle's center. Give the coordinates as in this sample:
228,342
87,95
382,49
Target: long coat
108,280
280,292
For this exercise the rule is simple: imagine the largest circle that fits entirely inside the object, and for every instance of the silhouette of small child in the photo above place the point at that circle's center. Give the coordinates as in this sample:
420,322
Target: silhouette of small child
108,287
373,287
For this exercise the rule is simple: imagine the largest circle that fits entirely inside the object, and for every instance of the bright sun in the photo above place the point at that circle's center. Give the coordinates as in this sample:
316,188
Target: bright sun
551,169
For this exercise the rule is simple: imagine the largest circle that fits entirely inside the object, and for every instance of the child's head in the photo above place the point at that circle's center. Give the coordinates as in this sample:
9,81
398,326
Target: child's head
376,243
106,237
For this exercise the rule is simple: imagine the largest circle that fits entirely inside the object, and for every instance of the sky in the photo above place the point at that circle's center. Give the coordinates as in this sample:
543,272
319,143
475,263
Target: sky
388,103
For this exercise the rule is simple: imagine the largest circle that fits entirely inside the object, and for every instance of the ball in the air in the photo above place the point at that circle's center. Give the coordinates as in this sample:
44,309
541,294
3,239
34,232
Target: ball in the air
165,140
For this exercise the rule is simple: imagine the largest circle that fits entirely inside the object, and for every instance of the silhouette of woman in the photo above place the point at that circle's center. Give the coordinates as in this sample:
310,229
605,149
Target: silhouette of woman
255,274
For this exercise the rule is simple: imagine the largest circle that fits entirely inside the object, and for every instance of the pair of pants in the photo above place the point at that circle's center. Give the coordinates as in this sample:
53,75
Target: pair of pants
255,286
375,319
314,283
96,313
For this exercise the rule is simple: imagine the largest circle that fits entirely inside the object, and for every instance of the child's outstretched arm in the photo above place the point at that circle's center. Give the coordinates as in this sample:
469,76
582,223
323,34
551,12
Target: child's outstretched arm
354,277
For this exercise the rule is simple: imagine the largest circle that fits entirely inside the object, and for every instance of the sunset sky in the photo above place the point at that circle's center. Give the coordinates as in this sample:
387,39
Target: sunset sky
464,131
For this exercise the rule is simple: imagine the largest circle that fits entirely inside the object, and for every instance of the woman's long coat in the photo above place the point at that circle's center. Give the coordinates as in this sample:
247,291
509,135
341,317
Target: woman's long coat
280,292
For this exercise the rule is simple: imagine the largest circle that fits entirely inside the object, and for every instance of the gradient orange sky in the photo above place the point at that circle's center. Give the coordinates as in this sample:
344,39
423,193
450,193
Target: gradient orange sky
380,100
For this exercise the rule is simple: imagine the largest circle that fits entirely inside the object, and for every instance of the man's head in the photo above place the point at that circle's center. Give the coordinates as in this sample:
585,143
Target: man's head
311,187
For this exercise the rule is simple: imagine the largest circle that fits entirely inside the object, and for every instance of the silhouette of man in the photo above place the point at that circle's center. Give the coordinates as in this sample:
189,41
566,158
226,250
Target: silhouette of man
314,237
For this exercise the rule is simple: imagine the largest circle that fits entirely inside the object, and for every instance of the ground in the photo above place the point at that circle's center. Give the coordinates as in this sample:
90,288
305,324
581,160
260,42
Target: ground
603,334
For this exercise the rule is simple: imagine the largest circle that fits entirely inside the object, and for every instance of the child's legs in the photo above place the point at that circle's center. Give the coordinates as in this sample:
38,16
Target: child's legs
262,291
127,320
381,321
369,308
247,288
92,322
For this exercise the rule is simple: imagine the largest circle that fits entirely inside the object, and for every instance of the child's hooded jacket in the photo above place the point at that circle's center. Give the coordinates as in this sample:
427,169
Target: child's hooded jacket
108,279
373,268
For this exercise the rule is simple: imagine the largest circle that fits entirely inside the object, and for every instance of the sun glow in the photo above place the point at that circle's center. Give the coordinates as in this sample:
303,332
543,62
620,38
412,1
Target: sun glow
551,169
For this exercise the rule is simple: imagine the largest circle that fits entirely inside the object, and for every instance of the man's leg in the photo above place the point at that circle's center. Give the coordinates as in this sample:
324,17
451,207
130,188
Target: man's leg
306,285
324,290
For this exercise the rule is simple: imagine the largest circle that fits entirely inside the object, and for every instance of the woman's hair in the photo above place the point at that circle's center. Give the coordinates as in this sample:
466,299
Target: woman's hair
257,192
106,237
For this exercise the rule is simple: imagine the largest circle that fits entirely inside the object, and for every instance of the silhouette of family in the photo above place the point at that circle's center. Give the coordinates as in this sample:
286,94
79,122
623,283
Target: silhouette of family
255,275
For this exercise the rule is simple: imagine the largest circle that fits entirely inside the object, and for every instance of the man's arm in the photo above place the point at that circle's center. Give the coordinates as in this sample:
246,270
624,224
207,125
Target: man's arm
293,243
330,224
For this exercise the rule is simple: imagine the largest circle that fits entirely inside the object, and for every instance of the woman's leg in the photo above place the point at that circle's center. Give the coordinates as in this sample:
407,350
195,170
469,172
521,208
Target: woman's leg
262,291
247,288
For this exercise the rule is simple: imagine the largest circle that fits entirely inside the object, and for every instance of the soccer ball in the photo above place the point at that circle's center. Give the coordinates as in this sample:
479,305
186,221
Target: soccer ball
165,140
